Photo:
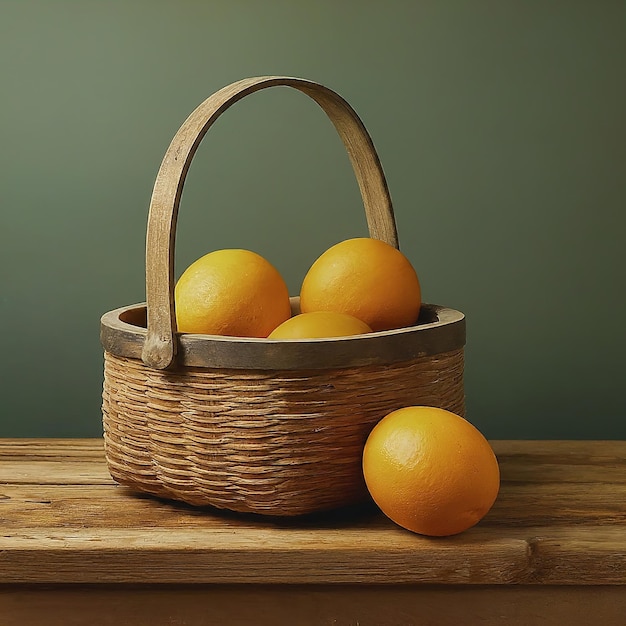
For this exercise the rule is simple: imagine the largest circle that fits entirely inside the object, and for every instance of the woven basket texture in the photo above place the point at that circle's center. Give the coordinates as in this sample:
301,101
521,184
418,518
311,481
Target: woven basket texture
281,442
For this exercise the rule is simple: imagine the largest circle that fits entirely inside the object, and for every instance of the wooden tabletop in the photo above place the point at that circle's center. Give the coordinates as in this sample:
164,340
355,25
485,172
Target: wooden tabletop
75,548
560,519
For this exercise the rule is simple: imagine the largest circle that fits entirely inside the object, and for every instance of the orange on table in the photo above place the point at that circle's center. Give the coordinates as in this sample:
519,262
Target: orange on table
366,278
320,324
430,471
231,292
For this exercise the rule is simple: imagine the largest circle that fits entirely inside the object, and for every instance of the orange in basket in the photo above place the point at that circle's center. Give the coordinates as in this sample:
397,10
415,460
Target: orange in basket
231,292
321,324
367,278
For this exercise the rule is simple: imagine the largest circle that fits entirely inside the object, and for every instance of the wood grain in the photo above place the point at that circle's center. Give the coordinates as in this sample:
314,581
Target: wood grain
76,548
559,519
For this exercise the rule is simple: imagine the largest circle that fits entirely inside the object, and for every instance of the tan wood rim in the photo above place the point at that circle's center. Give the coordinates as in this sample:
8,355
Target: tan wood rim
123,333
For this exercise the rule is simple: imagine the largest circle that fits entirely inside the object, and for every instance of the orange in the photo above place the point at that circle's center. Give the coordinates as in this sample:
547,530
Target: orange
231,292
430,471
366,278
320,324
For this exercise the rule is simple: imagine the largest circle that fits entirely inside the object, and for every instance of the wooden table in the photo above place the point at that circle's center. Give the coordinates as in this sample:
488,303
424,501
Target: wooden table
75,548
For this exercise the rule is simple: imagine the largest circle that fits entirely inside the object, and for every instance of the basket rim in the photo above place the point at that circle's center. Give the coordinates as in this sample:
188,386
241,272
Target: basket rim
447,333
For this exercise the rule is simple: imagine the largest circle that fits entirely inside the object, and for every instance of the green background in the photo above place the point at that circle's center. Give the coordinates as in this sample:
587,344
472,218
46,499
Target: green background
500,125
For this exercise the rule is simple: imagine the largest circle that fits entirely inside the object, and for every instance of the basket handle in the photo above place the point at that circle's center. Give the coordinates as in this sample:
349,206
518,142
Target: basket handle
160,347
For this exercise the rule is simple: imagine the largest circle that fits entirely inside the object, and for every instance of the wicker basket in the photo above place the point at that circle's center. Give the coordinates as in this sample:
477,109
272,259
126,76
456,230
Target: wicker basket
253,425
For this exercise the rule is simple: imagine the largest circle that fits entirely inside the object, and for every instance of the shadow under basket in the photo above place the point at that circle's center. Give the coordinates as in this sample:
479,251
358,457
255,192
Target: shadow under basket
283,438
258,425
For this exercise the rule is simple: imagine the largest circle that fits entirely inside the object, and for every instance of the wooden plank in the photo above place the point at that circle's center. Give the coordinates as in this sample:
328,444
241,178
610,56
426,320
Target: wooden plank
563,450
262,605
562,461
113,506
259,555
66,521
60,472
255,555
515,470
537,504
42,449
573,554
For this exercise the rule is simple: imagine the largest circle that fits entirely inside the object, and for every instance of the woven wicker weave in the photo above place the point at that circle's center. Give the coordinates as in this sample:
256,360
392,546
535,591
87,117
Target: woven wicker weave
253,425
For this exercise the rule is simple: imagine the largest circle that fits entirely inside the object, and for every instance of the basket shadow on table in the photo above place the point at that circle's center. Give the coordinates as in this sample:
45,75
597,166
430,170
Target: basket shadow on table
364,513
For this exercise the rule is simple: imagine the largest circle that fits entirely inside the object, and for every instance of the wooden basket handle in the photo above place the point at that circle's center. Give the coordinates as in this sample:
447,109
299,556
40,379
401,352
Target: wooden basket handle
159,349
